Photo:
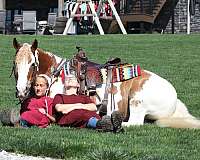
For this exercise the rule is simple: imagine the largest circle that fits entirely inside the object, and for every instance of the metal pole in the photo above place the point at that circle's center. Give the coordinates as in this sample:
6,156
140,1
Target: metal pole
173,17
60,7
117,17
188,17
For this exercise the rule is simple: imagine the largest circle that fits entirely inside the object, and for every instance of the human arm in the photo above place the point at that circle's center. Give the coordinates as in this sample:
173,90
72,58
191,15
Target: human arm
66,108
42,110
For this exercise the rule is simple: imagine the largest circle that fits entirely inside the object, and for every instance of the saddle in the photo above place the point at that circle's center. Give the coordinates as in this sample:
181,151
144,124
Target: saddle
81,56
91,71
91,75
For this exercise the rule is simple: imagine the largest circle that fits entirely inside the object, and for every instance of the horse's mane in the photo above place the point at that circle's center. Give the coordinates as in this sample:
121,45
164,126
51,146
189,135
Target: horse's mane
46,61
24,52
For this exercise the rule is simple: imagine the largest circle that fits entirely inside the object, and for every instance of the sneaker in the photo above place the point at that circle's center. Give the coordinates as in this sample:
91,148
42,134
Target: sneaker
9,116
5,117
117,119
103,108
14,116
105,124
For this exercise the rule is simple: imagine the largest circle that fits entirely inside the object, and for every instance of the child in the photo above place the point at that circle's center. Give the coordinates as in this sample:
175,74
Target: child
37,111
74,110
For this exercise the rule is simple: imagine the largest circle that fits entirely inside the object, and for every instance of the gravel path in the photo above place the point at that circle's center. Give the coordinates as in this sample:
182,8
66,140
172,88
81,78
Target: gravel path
13,156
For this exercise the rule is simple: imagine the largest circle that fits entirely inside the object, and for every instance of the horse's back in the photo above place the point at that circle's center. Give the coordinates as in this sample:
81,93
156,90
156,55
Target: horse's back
158,95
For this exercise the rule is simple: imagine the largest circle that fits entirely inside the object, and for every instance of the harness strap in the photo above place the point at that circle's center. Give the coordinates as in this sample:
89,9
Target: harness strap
103,107
81,79
13,68
58,69
112,98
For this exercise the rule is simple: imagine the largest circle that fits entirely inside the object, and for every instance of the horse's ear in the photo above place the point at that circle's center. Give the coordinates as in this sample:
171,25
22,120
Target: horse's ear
34,46
79,48
16,45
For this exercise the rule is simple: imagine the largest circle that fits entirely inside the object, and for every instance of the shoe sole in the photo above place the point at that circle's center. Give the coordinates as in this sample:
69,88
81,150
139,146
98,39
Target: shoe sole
106,124
117,119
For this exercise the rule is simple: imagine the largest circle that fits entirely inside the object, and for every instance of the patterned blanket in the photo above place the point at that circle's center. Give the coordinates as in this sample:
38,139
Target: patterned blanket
122,72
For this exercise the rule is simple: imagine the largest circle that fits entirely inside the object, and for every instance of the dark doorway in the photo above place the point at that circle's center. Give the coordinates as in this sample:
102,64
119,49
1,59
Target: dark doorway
43,7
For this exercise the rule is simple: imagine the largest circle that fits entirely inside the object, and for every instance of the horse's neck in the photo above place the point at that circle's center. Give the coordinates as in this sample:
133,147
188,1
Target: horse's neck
47,62
58,59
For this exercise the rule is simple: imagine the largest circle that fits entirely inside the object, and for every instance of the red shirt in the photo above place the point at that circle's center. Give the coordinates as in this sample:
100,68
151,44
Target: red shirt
71,99
77,117
30,113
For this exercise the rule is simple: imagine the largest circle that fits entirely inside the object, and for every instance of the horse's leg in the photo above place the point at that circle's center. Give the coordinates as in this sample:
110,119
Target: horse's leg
153,96
137,113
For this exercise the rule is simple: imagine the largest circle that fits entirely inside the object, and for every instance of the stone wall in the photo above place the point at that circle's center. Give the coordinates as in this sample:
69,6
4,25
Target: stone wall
180,19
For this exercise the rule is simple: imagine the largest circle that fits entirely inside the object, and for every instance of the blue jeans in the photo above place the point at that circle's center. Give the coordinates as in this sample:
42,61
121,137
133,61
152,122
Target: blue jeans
24,123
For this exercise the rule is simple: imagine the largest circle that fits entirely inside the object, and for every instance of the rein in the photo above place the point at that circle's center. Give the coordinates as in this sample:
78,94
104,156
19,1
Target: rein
13,69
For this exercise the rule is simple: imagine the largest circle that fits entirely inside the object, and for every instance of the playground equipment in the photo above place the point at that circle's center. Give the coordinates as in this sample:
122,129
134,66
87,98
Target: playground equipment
88,4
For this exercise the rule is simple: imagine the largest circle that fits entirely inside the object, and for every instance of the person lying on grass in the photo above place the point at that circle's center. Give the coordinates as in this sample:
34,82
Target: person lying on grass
72,110
37,110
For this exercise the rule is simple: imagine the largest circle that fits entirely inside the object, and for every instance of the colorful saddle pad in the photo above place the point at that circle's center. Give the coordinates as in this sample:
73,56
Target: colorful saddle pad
122,72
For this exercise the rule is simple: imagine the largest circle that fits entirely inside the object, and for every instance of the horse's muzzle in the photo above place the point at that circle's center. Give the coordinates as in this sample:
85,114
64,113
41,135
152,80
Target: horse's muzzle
22,95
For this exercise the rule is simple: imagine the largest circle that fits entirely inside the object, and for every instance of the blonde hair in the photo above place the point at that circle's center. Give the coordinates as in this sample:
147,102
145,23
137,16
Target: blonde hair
72,78
47,78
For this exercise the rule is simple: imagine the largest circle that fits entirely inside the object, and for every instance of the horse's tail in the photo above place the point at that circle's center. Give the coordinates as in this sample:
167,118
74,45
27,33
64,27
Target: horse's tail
180,119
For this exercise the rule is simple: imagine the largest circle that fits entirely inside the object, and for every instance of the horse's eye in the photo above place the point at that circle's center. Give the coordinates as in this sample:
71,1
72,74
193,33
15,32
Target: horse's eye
33,65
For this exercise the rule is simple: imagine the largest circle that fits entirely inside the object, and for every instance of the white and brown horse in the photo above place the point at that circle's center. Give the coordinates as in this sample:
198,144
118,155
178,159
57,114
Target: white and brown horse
30,61
145,97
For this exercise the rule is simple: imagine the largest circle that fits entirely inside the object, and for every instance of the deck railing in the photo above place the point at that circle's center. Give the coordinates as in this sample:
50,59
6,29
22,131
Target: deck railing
138,6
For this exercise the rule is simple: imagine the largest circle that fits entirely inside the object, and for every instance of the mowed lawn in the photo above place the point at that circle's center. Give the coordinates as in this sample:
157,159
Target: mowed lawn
173,57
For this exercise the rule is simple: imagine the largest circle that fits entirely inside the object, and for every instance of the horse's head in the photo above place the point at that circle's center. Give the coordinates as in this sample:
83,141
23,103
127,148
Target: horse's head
25,67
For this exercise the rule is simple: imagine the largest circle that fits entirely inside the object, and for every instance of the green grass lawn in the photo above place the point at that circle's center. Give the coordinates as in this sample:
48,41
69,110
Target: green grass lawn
173,57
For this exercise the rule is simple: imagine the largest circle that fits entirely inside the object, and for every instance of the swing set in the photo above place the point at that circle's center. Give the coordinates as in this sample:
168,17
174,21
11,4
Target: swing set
90,10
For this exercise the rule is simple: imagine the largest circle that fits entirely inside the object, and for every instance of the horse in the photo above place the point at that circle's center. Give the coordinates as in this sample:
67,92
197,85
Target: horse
146,97
30,61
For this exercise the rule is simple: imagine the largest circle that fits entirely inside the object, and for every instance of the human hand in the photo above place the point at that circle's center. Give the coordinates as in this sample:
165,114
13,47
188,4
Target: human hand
42,110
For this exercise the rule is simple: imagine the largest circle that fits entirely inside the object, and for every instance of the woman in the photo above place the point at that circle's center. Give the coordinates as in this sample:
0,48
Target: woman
74,110
37,111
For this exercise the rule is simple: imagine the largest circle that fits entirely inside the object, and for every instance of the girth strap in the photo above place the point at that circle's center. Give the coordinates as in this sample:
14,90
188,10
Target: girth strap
104,104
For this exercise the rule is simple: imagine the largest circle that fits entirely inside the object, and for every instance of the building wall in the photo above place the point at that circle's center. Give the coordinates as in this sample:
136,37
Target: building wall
180,19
